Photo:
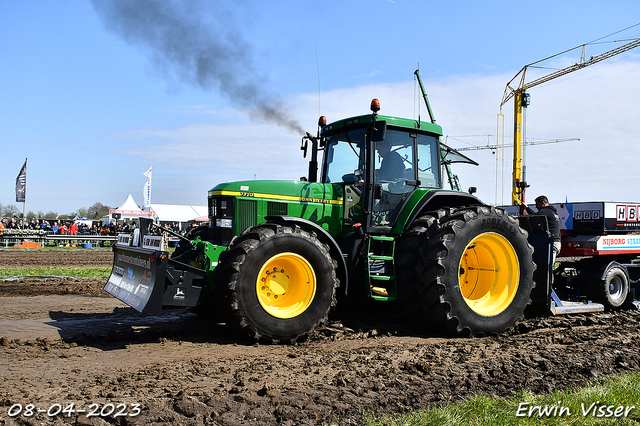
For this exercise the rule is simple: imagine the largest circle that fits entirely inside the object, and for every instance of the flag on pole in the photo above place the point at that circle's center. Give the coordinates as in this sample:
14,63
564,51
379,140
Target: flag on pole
146,191
21,184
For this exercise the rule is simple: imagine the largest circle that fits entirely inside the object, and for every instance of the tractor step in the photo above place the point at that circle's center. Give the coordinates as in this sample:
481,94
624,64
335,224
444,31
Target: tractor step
379,291
381,276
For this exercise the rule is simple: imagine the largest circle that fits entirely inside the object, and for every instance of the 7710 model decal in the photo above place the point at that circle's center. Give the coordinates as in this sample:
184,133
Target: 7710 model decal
278,197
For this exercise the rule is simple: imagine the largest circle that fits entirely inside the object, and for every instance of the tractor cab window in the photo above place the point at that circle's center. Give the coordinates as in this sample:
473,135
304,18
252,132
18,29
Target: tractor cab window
344,156
344,162
428,170
397,173
394,166
449,156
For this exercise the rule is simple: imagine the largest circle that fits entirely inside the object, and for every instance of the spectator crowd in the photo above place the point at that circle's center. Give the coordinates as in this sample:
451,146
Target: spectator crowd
71,227
57,227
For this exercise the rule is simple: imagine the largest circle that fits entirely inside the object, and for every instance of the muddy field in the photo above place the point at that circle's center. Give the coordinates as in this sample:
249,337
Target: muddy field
63,258
62,342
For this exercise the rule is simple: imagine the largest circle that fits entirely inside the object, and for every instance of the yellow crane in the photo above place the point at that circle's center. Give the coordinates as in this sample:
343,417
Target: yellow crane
521,100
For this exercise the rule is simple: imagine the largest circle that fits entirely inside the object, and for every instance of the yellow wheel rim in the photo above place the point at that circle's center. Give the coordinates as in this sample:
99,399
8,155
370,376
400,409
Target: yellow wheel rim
489,274
286,285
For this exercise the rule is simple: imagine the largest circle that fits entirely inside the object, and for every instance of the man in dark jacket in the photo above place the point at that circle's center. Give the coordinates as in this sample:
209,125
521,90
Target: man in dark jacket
392,165
542,204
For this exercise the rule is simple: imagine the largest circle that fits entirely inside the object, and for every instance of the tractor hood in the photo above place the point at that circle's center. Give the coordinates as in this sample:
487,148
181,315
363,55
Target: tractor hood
295,191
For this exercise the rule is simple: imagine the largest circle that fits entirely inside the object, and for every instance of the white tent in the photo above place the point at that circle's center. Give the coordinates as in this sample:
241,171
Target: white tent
165,213
129,210
178,213
129,204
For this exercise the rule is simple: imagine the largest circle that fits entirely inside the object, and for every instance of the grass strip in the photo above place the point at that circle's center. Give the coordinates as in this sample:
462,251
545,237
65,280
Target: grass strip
612,400
69,272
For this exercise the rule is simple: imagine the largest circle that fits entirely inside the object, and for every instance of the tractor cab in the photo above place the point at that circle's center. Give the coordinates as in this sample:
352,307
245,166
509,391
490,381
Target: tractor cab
382,161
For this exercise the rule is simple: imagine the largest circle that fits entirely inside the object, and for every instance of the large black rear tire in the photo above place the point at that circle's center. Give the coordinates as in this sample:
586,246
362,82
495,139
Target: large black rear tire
472,269
276,283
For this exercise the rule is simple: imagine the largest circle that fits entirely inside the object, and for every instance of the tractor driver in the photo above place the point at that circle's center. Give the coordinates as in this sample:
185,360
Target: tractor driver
392,165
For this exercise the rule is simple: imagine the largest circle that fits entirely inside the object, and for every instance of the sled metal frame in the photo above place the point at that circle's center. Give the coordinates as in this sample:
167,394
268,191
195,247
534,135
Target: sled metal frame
559,307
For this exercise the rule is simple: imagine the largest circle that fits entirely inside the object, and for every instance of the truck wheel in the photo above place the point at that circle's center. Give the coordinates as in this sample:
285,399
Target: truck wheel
613,290
276,283
472,268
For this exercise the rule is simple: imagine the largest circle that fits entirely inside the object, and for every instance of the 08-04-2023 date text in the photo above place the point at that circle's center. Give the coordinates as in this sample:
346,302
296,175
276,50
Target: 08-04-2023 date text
93,410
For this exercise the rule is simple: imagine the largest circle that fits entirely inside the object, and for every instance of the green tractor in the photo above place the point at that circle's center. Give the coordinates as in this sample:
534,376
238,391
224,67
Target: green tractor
375,224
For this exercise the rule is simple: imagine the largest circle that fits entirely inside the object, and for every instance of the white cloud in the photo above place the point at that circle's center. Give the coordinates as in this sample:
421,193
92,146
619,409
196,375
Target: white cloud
599,107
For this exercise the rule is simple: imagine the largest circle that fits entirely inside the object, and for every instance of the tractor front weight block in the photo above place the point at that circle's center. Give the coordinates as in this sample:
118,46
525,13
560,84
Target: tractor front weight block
147,280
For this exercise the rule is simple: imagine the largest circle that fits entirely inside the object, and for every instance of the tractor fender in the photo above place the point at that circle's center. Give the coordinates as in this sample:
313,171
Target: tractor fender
324,236
437,199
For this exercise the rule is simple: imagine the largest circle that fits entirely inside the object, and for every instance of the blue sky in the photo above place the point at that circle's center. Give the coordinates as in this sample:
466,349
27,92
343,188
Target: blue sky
92,100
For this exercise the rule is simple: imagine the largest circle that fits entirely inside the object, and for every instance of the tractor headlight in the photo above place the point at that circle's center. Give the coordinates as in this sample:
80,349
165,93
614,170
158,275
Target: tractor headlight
224,223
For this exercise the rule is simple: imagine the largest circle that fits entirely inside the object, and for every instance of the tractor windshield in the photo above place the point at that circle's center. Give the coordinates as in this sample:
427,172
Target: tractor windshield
395,159
399,164
344,158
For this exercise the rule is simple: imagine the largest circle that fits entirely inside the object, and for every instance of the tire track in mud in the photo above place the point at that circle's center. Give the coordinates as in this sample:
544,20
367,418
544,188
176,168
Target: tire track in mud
199,375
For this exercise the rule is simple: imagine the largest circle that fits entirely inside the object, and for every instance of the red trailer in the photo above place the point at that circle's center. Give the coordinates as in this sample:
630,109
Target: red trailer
598,266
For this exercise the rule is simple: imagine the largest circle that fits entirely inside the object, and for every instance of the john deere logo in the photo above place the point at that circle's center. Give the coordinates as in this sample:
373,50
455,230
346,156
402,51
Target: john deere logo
179,294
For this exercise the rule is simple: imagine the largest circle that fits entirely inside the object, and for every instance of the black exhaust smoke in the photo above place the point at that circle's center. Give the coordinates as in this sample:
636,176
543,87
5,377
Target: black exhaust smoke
210,56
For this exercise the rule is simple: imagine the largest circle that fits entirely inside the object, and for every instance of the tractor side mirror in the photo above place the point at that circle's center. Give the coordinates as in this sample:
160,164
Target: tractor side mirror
378,131
353,178
350,179
473,190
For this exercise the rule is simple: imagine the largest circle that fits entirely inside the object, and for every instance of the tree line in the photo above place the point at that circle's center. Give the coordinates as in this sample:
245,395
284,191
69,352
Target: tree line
96,211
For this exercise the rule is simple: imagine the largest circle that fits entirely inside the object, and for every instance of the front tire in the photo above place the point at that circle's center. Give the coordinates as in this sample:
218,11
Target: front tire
472,268
276,283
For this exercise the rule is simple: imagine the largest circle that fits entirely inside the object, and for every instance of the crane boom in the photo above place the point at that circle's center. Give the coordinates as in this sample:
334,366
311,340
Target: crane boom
529,142
523,87
521,101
